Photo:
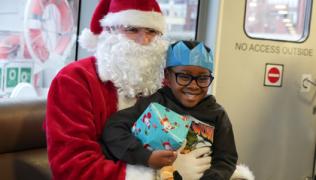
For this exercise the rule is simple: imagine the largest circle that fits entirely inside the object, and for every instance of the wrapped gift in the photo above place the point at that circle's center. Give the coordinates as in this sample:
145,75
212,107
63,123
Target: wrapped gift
161,128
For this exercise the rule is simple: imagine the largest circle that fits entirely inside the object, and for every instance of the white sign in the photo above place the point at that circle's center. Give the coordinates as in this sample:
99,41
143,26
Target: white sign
273,75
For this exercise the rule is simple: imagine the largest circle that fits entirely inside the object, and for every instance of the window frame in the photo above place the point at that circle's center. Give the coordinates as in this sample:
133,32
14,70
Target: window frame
306,31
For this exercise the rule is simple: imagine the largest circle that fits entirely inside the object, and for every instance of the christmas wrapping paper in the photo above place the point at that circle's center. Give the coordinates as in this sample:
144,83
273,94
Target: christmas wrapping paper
161,128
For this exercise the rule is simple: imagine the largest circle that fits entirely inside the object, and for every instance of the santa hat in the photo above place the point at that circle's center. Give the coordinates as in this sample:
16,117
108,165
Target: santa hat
142,13
242,172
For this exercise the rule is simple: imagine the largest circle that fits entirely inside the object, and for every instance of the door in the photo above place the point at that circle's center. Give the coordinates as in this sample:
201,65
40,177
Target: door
259,83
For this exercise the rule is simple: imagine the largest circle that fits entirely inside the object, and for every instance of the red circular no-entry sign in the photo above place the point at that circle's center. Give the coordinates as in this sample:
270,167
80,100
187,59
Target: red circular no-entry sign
273,75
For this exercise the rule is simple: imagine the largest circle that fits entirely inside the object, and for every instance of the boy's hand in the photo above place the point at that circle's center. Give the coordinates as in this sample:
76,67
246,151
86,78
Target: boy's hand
160,158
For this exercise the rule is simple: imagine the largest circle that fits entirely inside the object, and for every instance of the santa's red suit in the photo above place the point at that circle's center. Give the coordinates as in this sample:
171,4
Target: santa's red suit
78,90
72,138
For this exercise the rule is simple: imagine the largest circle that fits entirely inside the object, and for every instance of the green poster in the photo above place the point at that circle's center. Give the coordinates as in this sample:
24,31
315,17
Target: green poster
12,77
26,74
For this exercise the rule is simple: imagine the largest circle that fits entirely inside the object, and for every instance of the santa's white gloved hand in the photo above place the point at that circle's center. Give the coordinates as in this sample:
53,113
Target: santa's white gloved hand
192,165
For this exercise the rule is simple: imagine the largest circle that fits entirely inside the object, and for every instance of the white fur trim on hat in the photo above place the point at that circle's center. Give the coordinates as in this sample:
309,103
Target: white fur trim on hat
136,172
243,172
139,18
88,40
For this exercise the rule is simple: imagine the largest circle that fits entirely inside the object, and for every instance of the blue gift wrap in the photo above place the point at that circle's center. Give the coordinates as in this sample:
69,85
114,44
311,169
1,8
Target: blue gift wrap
160,128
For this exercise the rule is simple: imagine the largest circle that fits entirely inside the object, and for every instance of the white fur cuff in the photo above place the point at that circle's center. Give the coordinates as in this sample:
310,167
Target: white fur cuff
242,171
136,172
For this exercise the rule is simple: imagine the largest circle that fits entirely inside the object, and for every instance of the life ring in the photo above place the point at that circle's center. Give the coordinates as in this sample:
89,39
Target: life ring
49,30
9,46
12,47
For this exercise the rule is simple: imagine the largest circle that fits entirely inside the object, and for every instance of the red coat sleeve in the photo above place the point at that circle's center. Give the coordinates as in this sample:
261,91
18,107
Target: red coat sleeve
77,107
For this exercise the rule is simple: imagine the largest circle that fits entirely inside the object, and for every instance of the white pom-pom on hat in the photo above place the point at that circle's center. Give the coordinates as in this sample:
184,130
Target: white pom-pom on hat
88,40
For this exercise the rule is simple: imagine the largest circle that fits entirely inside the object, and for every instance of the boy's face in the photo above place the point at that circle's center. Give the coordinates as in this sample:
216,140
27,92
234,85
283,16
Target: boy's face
191,94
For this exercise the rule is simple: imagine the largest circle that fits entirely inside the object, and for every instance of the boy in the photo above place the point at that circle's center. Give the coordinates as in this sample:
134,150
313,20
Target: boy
188,75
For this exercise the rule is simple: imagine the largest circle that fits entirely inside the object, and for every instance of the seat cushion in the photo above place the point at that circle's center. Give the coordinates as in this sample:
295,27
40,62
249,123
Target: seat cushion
21,125
30,164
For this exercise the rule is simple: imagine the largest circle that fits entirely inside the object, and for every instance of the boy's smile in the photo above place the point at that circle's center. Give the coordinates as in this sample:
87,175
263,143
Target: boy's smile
185,83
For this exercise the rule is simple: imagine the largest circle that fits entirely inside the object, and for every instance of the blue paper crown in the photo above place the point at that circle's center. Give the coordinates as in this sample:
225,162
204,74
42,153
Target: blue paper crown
181,55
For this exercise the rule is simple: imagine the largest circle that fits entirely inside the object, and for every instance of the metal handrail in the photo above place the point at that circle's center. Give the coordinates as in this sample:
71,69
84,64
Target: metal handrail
308,80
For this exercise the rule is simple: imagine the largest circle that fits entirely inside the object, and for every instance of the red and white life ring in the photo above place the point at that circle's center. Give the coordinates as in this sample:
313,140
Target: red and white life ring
49,30
9,46
12,47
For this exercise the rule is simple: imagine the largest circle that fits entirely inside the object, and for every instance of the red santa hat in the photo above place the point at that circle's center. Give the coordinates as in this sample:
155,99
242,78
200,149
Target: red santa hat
141,13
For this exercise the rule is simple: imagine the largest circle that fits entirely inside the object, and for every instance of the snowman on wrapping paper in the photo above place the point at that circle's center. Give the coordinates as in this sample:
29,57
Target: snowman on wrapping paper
146,119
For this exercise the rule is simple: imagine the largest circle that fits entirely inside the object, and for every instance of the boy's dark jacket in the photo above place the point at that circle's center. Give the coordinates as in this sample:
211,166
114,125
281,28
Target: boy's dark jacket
126,147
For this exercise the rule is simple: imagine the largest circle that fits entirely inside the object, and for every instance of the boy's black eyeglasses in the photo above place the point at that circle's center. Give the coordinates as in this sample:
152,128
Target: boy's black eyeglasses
202,81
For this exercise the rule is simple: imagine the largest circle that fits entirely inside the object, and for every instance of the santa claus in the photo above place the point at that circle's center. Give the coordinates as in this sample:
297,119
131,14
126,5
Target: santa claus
128,62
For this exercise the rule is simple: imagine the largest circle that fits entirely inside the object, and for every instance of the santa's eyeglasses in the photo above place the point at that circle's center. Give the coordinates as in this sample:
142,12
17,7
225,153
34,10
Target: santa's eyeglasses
134,30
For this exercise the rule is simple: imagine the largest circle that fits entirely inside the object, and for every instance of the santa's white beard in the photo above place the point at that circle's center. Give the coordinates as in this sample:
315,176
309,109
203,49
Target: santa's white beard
133,68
